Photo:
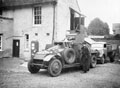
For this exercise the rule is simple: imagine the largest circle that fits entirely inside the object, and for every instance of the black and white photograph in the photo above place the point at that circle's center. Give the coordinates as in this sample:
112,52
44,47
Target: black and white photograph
59,43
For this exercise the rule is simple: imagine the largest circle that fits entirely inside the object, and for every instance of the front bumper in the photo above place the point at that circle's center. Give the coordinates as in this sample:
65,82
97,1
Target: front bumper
41,63
42,60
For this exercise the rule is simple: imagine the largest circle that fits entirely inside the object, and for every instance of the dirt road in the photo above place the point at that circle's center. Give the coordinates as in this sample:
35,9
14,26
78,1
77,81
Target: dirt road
15,75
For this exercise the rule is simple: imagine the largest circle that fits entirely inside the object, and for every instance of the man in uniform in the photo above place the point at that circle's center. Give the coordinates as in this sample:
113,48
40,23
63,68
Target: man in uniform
85,59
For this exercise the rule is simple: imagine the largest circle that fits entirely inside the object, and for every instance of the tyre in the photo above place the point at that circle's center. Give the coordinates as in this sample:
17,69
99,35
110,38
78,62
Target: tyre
102,60
32,68
69,55
55,67
93,61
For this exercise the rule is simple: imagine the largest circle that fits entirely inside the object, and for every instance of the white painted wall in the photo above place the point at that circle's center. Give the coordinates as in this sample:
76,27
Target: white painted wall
63,16
6,28
23,24
8,13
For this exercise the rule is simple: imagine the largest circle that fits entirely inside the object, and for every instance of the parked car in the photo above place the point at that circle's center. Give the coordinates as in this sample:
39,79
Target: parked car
104,51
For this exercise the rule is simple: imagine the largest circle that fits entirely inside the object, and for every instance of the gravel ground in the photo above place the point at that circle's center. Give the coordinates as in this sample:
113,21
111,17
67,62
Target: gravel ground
14,74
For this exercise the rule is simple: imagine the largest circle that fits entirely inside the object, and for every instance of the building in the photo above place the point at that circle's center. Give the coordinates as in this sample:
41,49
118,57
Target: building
44,21
6,29
116,28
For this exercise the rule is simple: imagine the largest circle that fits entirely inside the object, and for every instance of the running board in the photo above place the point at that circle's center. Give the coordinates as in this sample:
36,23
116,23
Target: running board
71,65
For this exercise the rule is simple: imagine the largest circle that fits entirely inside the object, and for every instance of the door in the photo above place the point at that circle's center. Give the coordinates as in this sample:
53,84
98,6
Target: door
16,48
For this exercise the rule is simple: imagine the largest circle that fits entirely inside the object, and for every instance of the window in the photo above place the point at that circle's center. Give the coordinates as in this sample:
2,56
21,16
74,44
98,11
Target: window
0,8
37,15
82,20
0,12
26,41
74,20
0,42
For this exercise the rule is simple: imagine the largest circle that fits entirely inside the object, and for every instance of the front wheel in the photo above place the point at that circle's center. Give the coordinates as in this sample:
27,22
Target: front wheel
55,67
93,61
32,68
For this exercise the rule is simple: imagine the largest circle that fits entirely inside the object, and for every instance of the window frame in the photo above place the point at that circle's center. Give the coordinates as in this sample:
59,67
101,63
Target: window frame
1,12
1,40
40,13
27,42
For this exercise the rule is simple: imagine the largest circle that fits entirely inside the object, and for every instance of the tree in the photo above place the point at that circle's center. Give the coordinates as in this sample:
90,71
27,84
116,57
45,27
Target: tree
98,27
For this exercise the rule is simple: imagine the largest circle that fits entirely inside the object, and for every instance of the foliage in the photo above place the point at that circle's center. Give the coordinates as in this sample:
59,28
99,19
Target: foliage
117,36
98,27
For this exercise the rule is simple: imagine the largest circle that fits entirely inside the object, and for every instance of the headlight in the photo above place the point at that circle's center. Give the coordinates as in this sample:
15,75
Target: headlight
50,51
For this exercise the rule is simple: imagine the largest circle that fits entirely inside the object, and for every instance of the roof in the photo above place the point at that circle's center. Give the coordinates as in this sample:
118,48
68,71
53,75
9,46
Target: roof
109,41
95,36
13,3
1,17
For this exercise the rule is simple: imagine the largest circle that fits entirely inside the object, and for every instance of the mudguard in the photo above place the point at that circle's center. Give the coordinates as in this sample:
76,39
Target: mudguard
48,58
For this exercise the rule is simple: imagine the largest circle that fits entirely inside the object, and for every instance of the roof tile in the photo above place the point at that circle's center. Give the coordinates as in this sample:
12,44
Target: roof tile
11,3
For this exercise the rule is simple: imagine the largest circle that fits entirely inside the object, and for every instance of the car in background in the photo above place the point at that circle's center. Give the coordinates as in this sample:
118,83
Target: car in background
105,52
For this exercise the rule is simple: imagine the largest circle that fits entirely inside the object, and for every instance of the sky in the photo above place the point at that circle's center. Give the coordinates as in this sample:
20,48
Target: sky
107,10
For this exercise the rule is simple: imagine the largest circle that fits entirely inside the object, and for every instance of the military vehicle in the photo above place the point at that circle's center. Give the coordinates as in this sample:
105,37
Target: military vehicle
105,52
61,54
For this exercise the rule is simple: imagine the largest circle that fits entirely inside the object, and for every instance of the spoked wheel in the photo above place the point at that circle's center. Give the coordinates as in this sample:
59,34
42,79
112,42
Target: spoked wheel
32,68
55,67
93,61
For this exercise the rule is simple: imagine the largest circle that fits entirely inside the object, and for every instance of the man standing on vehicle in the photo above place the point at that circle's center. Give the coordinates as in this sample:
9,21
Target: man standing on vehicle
83,51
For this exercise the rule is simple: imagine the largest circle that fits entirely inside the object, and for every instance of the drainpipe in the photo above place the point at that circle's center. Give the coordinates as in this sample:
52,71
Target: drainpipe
53,37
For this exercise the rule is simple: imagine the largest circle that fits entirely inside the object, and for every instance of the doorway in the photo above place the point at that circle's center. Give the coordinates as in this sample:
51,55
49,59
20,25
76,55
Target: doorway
16,48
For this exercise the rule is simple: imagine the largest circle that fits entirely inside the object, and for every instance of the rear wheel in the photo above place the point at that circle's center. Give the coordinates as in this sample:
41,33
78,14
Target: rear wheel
32,68
93,61
55,67
107,59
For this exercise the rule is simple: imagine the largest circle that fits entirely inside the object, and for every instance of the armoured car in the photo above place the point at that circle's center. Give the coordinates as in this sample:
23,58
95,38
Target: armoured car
54,58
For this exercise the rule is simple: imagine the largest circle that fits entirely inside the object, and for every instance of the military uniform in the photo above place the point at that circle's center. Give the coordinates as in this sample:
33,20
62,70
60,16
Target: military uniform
85,59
